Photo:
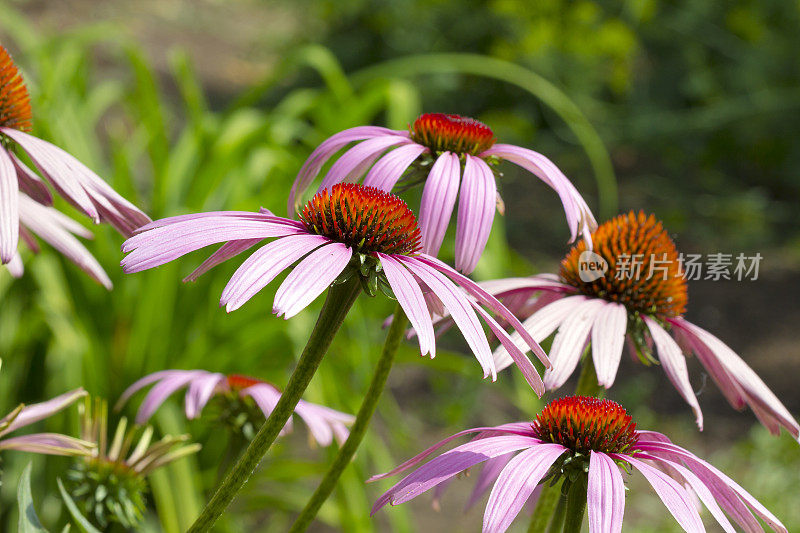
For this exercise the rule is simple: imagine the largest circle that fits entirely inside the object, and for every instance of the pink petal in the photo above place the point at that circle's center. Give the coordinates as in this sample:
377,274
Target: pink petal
30,183
409,296
570,342
674,363
608,338
227,251
491,469
476,206
516,483
15,267
385,173
438,200
605,495
264,265
9,210
39,411
266,397
200,390
310,278
143,382
46,443
163,390
355,157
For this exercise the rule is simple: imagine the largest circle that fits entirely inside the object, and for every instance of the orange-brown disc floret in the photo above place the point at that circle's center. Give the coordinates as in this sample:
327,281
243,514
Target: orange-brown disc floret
238,382
452,133
15,105
366,219
644,272
584,424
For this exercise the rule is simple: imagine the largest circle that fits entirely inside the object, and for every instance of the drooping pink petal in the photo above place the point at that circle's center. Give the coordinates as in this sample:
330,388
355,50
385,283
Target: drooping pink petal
323,422
15,267
460,309
199,391
409,296
438,200
674,363
476,206
608,338
54,228
530,284
679,503
266,397
385,173
163,389
30,183
9,208
354,158
227,251
324,151
449,464
39,411
264,265
605,495
310,278
570,342
516,483
491,469
46,443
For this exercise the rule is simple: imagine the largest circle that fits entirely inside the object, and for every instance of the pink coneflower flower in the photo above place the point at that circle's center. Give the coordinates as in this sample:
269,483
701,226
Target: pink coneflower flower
349,230
21,188
646,307
447,152
234,390
576,438
46,443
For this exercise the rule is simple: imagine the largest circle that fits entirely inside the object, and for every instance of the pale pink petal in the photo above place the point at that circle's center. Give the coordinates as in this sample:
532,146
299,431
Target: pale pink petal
491,469
385,173
460,309
264,265
476,206
438,200
163,389
39,411
15,267
200,390
30,183
570,342
516,483
323,422
531,284
449,464
46,443
263,215
679,503
142,383
310,278
410,297
674,363
9,208
227,251
608,338
266,397
355,157
605,495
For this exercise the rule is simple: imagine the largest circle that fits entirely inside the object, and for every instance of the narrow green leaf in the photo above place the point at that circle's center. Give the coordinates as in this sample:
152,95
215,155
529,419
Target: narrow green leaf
80,520
28,521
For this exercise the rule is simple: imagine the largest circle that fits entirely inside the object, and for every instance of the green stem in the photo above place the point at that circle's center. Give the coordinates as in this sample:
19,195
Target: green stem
393,338
587,381
558,516
338,302
576,506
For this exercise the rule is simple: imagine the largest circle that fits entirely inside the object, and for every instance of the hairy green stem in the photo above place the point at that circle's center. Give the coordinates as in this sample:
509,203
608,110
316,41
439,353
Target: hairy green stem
393,338
558,516
338,302
576,505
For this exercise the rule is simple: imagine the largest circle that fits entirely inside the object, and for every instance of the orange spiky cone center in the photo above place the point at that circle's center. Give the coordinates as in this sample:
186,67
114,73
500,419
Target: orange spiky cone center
644,272
238,382
364,218
584,424
452,133
15,105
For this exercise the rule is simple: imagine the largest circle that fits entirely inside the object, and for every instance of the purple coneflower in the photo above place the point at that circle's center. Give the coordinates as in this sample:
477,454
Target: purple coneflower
324,423
46,443
644,306
349,230
21,188
582,440
448,153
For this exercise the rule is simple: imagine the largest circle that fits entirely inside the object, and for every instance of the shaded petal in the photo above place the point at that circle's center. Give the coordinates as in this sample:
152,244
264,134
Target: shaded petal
491,469
516,483
570,342
674,363
605,495
227,251
264,265
310,278
15,267
39,411
9,208
30,183
438,200
385,173
608,338
409,296
476,206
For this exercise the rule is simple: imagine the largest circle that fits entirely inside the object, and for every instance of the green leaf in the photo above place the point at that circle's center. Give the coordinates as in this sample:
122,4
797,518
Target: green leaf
80,520
28,521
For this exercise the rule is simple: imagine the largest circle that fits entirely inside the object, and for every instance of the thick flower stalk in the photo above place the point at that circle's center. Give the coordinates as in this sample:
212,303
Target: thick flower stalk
642,308
456,159
588,445
45,443
349,231
25,199
239,396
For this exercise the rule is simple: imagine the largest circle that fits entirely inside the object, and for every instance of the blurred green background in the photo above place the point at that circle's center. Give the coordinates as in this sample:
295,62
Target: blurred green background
691,109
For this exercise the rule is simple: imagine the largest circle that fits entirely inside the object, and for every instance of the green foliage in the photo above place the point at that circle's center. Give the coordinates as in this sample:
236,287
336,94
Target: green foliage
28,521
